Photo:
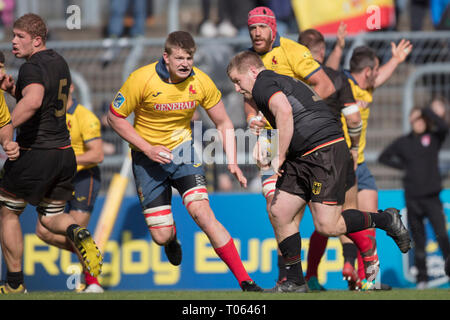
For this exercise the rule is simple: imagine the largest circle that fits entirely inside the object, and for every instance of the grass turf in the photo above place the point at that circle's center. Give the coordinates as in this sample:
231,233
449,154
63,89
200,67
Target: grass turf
396,294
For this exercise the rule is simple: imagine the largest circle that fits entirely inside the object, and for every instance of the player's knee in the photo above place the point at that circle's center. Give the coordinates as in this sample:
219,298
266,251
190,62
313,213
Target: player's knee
327,228
43,233
161,236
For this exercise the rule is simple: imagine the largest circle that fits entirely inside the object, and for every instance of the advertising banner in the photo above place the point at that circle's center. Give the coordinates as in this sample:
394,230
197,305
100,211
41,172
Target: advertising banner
134,262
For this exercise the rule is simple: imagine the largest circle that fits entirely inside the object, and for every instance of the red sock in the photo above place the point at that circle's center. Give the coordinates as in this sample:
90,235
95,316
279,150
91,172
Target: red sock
364,239
230,256
361,270
317,246
90,279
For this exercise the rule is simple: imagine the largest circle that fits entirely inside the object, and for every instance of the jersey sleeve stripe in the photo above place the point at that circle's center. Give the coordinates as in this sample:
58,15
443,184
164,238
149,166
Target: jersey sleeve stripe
309,75
274,95
115,113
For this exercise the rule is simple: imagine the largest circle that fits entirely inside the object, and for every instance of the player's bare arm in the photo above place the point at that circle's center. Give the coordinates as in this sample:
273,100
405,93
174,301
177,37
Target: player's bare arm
94,153
322,84
127,132
399,54
282,110
354,125
222,121
33,96
334,59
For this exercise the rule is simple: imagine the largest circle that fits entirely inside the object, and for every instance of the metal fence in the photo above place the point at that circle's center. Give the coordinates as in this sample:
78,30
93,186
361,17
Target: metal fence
97,81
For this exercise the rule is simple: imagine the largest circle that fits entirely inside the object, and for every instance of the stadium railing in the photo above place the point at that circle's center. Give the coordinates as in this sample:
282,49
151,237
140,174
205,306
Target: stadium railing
98,82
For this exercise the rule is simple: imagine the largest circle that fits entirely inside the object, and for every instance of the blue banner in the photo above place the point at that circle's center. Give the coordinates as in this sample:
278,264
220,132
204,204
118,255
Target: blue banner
134,262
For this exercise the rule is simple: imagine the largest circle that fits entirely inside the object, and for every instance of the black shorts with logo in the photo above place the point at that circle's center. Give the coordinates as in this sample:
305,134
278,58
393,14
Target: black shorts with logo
39,174
320,176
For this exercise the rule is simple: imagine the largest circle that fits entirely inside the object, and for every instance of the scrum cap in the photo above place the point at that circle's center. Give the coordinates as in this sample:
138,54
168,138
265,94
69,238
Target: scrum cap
263,15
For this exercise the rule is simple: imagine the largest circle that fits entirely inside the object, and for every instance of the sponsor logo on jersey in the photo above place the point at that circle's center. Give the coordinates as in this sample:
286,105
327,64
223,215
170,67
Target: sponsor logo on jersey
192,90
156,94
118,101
175,106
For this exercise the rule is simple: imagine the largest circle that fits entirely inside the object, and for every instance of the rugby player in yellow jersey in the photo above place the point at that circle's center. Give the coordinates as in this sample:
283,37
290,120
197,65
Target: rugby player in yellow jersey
365,75
86,141
163,97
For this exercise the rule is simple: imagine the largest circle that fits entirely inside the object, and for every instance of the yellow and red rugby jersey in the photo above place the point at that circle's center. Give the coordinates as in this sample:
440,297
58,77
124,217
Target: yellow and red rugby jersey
84,126
5,116
162,110
290,58
363,98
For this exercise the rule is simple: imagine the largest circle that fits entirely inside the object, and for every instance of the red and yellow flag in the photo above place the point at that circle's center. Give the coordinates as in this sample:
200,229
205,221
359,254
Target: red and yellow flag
358,15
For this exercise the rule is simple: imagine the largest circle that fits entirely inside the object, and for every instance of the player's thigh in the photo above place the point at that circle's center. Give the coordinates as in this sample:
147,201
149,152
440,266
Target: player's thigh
327,218
286,206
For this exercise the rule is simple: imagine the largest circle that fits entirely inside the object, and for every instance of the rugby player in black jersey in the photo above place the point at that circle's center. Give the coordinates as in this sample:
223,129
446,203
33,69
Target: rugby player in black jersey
312,163
43,172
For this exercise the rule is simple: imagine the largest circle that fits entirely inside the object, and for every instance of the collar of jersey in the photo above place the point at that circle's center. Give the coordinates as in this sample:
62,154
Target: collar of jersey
276,43
349,75
73,107
162,71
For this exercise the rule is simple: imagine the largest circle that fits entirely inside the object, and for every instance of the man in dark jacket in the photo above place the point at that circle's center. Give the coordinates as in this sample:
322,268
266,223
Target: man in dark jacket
417,153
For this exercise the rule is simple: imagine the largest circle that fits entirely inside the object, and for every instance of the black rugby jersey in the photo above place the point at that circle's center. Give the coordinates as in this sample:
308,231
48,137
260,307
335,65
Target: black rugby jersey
46,129
343,96
314,123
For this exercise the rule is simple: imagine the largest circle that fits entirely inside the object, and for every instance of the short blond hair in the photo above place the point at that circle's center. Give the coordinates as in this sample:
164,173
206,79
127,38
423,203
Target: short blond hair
243,60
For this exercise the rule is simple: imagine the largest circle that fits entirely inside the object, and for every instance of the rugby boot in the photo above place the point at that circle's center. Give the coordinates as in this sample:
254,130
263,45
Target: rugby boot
288,286
314,285
173,252
397,231
351,276
250,286
6,289
91,255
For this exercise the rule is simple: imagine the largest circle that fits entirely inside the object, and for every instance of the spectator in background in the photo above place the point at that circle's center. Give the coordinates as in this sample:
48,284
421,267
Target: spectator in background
417,153
440,14
417,11
118,9
286,22
116,26
6,15
224,26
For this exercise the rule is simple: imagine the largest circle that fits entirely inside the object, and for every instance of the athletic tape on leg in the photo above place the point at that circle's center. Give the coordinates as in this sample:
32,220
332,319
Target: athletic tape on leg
195,194
13,204
50,209
159,217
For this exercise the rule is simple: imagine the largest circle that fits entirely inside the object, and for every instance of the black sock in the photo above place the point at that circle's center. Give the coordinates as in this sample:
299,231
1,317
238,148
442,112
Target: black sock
381,220
14,279
350,253
70,230
291,250
281,268
356,220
